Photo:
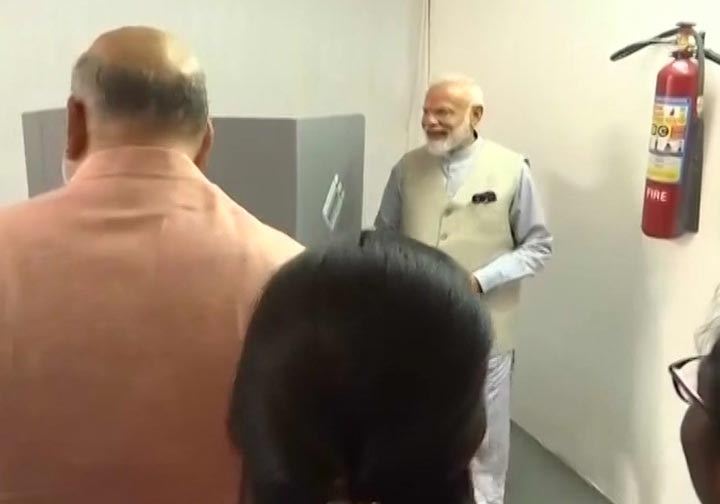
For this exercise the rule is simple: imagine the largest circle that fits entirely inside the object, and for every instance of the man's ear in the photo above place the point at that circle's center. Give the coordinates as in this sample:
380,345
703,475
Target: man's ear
476,115
202,159
77,130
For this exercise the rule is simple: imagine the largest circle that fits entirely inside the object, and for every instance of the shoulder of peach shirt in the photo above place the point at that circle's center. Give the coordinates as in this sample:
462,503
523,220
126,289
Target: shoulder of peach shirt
278,247
14,216
284,247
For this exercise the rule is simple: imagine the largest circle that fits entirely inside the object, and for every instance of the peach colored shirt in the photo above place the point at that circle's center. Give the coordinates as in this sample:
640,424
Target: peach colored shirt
124,298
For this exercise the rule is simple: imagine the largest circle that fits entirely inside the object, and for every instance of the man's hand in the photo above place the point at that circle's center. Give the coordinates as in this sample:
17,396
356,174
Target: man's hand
475,285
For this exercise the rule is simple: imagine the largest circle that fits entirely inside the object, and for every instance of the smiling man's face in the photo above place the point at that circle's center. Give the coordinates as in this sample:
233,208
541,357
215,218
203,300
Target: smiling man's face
449,119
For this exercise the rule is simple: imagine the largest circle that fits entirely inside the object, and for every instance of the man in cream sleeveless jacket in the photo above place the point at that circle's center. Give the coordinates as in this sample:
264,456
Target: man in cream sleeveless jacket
476,201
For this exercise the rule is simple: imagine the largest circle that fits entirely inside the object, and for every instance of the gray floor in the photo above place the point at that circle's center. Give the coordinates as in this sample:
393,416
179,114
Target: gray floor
538,477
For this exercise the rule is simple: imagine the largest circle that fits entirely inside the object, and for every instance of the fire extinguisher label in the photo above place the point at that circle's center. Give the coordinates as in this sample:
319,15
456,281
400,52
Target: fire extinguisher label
668,137
666,169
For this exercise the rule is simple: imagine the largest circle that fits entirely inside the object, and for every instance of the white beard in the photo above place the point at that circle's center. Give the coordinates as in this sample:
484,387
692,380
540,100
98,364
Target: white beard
449,143
439,147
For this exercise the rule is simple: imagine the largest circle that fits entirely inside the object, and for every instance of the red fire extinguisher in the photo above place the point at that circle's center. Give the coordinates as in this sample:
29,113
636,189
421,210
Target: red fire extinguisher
674,174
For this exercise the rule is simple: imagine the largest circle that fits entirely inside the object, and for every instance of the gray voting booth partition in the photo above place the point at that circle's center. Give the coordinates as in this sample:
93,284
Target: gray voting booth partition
303,176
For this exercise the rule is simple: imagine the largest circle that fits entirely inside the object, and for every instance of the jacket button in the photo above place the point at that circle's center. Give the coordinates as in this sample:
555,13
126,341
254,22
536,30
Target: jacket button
448,212
444,236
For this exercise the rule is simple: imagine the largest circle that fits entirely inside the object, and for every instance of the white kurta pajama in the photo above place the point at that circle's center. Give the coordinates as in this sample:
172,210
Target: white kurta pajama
480,206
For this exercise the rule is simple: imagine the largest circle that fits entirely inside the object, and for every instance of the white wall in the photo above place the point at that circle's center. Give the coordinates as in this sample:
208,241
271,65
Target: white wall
614,308
263,57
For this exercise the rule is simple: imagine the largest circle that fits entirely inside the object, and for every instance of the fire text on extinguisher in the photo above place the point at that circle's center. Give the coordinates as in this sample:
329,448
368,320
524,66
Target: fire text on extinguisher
656,195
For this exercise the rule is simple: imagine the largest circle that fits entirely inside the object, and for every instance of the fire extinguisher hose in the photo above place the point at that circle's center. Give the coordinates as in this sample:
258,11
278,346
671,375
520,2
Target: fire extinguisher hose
660,38
712,56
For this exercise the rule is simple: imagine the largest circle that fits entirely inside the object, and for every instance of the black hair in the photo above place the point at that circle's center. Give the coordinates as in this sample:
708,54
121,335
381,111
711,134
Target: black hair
364,363
176,101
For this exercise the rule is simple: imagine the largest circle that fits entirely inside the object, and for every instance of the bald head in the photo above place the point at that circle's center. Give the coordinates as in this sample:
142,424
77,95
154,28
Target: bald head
145,49
144,78
138,87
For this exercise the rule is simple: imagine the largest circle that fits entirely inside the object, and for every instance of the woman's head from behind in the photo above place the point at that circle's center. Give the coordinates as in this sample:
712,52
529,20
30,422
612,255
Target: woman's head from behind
362,378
